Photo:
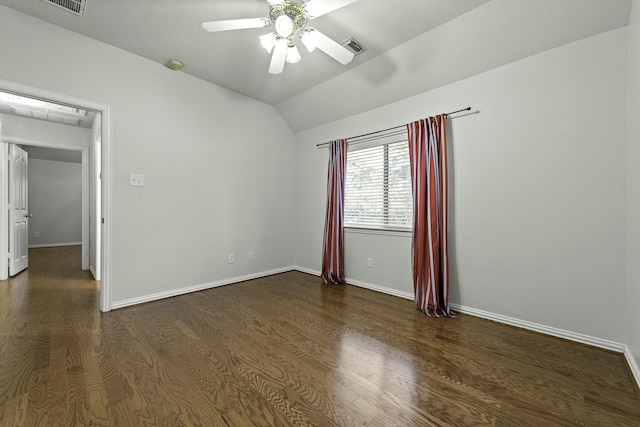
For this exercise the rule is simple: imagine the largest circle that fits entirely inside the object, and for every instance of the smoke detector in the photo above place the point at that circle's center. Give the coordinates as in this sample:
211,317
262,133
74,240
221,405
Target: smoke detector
175,65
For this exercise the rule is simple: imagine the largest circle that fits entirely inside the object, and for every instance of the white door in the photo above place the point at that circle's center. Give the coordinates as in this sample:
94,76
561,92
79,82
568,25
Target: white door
18,210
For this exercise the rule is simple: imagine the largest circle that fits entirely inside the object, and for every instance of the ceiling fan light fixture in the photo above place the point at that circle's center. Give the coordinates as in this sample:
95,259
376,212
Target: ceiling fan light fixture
289,19
284,26
293,55
310,39
268,41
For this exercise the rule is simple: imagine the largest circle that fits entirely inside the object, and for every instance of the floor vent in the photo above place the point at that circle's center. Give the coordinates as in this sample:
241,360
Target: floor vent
73,6
354,46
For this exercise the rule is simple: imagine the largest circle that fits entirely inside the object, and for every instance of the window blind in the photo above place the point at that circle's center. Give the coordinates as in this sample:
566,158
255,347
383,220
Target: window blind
378,187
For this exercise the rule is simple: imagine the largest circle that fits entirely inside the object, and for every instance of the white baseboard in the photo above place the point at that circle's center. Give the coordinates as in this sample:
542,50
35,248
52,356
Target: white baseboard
361,284
548,330
633,365
195,288
308,271
384,290
55,245
536,327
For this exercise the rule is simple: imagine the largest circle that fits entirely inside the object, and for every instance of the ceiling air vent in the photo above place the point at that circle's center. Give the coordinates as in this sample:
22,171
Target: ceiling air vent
354,46
73,6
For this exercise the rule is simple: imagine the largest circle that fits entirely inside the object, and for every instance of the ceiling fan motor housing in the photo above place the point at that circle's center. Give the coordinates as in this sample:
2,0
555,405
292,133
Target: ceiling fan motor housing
293,11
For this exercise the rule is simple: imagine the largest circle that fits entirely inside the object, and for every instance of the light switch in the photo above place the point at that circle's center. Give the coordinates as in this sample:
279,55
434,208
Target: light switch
136,180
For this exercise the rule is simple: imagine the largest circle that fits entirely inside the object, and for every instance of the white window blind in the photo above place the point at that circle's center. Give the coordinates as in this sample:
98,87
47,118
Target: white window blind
378,187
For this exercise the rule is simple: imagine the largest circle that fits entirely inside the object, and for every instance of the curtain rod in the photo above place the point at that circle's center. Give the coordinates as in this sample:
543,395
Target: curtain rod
324,144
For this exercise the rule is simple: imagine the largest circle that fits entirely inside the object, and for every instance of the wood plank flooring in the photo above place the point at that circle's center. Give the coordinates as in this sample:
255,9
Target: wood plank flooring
283,351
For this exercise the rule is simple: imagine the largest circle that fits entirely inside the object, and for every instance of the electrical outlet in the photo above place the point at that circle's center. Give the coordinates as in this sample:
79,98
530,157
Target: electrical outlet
370,262
232,258
36,234
251,256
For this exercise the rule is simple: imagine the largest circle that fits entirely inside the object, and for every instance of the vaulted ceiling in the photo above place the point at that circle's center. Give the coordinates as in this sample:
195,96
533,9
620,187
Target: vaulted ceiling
412,45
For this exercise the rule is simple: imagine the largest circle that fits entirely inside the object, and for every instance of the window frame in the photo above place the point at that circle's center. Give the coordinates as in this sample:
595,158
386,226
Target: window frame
383,228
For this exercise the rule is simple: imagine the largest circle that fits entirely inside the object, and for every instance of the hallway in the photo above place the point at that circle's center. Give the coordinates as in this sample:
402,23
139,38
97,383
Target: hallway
47,313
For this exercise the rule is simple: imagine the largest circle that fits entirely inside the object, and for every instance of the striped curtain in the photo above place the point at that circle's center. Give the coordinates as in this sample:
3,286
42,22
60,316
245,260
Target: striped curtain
429,184
332,251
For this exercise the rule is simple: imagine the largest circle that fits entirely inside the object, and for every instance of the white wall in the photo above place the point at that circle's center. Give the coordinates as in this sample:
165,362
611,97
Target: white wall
55,200
538,189
217,165
633,190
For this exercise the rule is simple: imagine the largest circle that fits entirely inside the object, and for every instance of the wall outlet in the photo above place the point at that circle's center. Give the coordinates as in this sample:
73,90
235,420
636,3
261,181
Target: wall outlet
232,258
36,234
251,256
370,262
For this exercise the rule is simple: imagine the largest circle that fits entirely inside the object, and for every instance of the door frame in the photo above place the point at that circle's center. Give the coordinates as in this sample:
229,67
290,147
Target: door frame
106,173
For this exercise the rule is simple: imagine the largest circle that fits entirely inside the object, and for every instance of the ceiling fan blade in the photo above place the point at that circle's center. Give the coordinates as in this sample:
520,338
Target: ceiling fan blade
316,8
334,49
279,57
235,24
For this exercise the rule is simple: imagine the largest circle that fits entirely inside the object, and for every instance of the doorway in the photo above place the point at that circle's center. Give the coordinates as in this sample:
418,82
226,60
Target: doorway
57,200
101,175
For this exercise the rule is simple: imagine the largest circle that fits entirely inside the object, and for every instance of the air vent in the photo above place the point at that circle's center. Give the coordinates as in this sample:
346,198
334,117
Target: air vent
73,6
354,46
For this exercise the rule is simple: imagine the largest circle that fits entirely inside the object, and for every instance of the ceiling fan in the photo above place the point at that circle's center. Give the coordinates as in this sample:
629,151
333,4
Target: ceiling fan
289,19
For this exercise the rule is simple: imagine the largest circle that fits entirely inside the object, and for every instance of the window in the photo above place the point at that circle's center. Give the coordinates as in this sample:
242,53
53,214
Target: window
378,188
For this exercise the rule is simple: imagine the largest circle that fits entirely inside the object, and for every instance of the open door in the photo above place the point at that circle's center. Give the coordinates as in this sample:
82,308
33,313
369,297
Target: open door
18,210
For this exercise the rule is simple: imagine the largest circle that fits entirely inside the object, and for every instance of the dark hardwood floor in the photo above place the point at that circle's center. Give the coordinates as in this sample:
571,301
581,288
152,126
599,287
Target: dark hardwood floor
283,350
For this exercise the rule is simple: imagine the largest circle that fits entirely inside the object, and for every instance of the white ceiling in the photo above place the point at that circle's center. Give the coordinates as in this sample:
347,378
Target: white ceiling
161,30
460,37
